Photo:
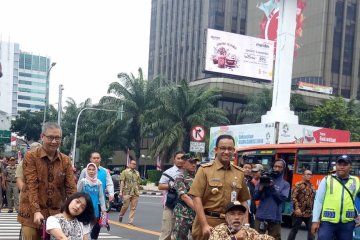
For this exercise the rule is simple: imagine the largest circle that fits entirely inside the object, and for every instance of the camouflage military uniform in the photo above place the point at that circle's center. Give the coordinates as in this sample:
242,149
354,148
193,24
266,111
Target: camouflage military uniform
184,215
222,232
12,191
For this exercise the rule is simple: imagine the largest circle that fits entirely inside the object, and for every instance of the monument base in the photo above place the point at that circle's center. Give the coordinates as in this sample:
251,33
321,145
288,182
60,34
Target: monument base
280,115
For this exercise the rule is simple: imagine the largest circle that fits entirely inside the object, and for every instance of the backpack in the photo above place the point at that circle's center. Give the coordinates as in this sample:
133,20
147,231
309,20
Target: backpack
172,196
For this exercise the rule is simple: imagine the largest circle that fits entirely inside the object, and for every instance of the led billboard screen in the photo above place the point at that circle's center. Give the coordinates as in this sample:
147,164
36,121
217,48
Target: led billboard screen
240,55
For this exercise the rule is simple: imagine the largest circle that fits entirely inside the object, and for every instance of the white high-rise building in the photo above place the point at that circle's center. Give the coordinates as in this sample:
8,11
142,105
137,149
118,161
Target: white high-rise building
25,81
9,57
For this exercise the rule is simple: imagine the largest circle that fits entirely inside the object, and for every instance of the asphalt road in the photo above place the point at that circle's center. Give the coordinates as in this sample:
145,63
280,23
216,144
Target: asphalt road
148,222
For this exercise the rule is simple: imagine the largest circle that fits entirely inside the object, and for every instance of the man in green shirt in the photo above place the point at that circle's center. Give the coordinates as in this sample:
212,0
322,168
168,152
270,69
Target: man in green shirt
129,190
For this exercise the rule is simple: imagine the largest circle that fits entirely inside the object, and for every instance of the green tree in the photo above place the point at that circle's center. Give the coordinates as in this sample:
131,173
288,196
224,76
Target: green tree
71,111
176,110
28,124
135,94
258,104
339,114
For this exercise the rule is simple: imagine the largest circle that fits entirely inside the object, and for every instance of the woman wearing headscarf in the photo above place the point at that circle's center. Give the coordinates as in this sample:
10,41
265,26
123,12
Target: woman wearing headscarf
93,186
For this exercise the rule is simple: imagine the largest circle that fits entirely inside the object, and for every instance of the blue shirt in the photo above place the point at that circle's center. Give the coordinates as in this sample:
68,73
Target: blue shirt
319,198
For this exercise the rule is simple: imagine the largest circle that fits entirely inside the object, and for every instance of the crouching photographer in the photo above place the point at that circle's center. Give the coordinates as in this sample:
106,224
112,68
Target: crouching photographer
272,191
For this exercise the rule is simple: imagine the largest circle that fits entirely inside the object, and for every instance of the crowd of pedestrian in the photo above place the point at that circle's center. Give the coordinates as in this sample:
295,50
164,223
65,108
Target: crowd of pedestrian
216,200
223,201
47,183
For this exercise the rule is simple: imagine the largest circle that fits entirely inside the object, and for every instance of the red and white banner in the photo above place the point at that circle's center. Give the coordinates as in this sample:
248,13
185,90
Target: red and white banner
128,158
158,163
294,133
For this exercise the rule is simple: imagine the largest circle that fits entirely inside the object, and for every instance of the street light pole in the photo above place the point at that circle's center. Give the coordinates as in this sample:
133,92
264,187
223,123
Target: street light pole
76,127
46,97
61,88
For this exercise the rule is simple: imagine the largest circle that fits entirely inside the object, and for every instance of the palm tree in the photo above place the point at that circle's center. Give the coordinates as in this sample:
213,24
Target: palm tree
176,110
258,105
136,95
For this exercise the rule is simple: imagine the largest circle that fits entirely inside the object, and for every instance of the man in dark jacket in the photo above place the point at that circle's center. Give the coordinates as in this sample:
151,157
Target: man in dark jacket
251,187
272,193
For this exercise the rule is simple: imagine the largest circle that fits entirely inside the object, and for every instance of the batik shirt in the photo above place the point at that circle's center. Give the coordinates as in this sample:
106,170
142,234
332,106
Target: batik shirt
131,180
73,229
303,196
222,232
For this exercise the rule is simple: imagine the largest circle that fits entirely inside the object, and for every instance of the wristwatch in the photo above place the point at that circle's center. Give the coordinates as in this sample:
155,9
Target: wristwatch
247,225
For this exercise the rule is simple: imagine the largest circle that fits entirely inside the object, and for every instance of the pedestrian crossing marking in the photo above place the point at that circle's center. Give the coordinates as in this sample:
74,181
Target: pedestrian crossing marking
10,228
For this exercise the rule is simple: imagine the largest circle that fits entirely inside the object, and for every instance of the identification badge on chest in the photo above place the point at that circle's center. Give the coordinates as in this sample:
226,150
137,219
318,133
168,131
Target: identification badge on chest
233,196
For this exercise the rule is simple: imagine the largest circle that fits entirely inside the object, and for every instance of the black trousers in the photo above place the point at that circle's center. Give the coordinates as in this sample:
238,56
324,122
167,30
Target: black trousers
296,224
96,228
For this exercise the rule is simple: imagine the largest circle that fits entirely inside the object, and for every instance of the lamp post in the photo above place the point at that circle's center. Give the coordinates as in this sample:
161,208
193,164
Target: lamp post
76,126
46,97
145,157
61,88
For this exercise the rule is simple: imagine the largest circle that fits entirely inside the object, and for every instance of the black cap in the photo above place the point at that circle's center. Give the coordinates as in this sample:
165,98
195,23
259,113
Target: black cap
344,158
235,206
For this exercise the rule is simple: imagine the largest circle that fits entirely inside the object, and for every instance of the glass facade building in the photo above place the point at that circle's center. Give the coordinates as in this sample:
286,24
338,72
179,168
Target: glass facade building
329,52
25,84
178,33
33,86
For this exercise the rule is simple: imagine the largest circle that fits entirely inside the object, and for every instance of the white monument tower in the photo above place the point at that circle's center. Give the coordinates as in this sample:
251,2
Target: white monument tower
280,110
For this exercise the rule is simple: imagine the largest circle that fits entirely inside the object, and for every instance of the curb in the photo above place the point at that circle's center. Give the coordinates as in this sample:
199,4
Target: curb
151,193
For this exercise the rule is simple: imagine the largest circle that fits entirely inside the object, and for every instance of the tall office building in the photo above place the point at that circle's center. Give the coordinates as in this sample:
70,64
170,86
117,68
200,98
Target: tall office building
178,33
33,87
25,84
9,57
328,53
329,45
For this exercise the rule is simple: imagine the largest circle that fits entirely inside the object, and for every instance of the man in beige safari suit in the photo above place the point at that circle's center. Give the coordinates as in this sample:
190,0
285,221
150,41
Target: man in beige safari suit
129,190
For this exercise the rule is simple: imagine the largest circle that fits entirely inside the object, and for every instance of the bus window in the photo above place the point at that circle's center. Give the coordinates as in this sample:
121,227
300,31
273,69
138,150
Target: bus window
355,165
305,163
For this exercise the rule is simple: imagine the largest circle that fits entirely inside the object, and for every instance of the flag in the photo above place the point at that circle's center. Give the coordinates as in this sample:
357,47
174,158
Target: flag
158,163
128,158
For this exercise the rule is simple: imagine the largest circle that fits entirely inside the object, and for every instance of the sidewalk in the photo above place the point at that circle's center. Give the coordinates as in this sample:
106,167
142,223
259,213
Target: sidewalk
150,189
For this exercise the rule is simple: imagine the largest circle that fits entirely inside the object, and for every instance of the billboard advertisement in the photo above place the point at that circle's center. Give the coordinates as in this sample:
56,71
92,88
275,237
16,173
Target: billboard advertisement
294,133
239,55
315,88
269,22
244,135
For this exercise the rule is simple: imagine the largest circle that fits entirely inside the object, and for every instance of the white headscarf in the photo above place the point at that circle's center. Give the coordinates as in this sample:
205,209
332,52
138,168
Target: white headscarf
92,181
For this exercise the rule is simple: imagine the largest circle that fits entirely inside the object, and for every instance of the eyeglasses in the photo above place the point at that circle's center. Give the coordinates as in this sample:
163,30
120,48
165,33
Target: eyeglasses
229,149
51,138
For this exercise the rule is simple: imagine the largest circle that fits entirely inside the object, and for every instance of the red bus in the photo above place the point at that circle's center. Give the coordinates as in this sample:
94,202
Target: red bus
320,158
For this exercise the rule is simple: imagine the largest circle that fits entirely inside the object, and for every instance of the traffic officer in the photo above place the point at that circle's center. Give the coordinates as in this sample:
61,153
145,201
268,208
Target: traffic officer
216,184
334,212
12,191
184,209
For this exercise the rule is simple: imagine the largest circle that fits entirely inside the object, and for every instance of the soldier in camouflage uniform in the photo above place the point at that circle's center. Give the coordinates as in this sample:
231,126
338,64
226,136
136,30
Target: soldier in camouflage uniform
184,210
12,191
234,228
